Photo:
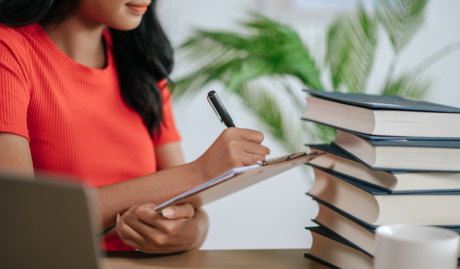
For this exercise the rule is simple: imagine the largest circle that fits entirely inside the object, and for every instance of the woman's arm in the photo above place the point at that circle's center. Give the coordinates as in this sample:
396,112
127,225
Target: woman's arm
233,148
15,155
185,229
180,227
169,155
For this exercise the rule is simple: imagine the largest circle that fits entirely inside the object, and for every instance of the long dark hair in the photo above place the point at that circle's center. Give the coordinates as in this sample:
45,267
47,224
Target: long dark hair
143,56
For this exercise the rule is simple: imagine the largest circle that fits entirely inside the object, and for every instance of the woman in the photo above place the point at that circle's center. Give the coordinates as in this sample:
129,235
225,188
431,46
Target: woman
83,93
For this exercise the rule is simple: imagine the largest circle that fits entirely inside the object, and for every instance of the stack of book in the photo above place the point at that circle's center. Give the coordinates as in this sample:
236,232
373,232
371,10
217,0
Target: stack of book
394,160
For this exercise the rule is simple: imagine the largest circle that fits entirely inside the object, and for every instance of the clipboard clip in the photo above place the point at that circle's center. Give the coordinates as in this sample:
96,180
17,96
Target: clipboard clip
288,157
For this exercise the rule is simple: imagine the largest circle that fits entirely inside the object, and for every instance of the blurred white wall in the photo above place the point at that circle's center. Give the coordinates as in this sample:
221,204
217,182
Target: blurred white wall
273,214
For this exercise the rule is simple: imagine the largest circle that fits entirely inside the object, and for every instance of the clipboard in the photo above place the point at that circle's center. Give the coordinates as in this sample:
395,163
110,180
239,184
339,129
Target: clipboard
239,178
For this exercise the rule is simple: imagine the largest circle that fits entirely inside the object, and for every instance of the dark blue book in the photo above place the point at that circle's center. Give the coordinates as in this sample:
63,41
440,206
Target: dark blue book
378,207
383,101
332,251
382,137
393,181
335,251
350,230
383,115
410,155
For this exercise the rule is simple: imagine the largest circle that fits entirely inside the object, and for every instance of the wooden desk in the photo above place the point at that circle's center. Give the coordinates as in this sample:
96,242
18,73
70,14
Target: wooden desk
204,259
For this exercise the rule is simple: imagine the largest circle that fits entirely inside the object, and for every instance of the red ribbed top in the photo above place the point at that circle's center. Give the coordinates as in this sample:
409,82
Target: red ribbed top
74,116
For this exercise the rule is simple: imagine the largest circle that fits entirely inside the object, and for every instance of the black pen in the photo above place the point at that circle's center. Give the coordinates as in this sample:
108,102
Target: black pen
220,110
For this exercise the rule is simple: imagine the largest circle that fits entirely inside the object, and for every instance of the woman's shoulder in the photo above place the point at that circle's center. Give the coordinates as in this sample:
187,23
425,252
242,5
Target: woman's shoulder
13,34
13,39
20,44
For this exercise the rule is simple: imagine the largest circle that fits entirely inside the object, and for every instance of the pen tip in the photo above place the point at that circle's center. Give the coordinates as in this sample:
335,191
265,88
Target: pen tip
211,93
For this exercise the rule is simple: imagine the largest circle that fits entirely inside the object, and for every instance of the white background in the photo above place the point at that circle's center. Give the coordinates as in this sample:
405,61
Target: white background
273,214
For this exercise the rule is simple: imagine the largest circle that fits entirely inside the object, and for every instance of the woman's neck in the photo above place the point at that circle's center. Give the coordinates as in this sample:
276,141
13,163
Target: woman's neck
79,39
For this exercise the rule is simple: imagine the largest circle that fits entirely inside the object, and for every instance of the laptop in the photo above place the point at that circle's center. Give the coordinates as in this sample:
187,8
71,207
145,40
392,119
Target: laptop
48,224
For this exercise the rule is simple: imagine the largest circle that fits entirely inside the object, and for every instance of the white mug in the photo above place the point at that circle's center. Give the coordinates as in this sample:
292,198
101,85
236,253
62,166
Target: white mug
402,246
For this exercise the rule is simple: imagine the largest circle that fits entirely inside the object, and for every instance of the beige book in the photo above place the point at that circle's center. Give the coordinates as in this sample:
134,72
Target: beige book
360,236
376,207
388,122
336,253
394,181
422,155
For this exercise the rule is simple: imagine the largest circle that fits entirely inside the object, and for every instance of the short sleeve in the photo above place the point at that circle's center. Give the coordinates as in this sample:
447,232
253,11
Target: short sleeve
169,131
14,88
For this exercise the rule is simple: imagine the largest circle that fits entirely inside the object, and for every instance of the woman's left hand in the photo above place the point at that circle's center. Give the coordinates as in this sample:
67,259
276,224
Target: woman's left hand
177,229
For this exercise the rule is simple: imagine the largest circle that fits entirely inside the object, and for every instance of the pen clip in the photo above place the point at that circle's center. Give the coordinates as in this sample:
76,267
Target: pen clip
215,111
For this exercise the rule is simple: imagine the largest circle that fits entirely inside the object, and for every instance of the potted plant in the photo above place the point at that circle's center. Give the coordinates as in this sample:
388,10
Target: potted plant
258,63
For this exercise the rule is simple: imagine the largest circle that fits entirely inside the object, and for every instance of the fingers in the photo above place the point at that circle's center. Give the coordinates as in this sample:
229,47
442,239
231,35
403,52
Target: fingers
128,235
235,147
148,231
174,218
142,227
251,159
248,150
250,135
250,140
183,211
256,149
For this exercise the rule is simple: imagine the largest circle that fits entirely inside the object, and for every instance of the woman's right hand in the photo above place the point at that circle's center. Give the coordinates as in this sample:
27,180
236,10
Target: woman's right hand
234,147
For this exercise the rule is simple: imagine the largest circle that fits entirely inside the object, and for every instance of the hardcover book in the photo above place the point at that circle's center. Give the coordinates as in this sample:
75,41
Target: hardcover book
410,155
377,207
394,181
330,250
335,252
383,115
351,230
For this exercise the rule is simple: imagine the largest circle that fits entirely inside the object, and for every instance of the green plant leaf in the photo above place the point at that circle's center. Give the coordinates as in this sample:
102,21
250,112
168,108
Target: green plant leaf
265,49
401,19
351,44
276,118
409,85
268,48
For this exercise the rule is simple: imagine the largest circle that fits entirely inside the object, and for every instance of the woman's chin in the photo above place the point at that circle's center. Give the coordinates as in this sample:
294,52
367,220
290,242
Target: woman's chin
127,24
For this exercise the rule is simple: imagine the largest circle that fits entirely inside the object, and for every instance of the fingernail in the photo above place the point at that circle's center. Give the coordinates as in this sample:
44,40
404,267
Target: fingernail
118,218
168,212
